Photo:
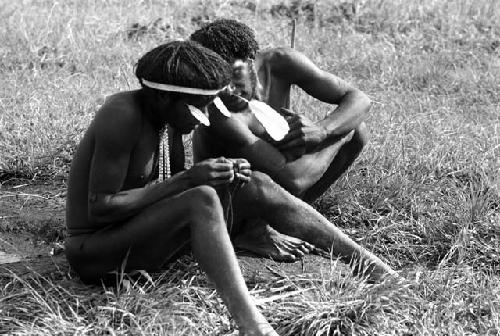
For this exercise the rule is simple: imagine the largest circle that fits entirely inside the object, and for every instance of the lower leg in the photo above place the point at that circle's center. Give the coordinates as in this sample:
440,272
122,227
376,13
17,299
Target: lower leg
213,250
295,218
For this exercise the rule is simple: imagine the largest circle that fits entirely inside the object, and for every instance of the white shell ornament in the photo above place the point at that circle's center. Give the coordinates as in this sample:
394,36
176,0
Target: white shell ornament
273,122
221,107
200,116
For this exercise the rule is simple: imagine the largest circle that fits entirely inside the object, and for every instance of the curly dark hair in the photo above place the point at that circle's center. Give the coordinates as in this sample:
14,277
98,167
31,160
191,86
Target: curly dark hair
184,63
228,38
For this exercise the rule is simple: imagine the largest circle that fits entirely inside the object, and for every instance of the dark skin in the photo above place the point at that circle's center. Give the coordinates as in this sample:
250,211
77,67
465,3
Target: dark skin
117,212
311,157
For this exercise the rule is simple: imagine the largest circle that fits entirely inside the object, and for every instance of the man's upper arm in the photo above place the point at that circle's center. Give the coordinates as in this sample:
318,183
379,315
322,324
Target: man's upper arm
114,135
294,67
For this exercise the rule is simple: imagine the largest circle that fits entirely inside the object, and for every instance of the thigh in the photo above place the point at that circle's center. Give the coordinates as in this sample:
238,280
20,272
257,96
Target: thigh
146,241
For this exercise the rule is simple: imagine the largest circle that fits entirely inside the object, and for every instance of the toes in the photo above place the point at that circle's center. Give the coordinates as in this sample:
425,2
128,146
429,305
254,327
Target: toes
293,249
304,249
288,253
296,247
310,247
283,255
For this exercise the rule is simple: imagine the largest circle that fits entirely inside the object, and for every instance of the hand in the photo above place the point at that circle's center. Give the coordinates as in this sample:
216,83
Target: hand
241,168
213,172
303,136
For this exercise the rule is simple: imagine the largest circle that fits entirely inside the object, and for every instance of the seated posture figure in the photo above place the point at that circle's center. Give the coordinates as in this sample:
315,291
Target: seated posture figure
119,215
312,155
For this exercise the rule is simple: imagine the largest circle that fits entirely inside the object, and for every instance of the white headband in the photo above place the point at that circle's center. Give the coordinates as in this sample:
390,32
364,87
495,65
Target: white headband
182,89
200,116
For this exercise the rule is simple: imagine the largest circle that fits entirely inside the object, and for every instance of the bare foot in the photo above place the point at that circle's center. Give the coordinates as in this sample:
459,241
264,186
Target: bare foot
263,240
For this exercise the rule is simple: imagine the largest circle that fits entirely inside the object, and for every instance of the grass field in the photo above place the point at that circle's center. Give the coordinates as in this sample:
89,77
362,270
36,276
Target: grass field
425,194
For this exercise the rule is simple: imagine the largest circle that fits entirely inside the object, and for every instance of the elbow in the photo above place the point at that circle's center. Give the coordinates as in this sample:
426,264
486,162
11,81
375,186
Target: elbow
99,210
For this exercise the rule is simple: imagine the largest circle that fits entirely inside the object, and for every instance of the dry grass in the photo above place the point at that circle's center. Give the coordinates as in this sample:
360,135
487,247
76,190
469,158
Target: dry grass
424,195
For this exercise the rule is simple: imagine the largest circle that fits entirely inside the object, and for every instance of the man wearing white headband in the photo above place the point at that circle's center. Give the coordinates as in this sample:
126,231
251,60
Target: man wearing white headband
119,214
306,157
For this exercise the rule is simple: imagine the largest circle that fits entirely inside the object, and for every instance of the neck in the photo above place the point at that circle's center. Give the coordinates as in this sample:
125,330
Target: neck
152,110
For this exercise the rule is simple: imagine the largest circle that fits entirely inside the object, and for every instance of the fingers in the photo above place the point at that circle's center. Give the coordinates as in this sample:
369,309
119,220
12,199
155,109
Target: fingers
220,164
242,177
225,175
224,171
230,172
240,161
241,168
215,183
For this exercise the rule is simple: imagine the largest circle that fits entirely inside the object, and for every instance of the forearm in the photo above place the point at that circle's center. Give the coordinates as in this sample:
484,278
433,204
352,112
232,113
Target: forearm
295,176
262,156
348,115
299,175
106,208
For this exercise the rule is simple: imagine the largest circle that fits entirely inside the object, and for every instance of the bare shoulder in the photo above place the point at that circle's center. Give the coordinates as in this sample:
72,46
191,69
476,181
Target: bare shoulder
285,62
119,118
293,67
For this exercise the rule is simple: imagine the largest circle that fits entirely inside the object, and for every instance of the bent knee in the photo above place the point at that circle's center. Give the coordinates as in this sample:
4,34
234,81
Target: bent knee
203,194
261,179
91,269
261,183
202,198
262,190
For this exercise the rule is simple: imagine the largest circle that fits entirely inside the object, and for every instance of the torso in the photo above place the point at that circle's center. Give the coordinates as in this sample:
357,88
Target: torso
141,170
